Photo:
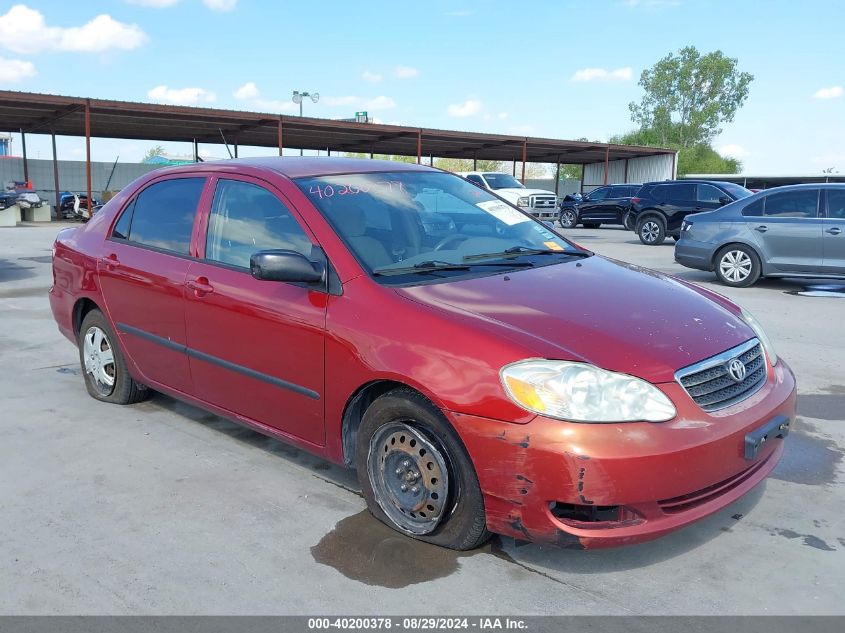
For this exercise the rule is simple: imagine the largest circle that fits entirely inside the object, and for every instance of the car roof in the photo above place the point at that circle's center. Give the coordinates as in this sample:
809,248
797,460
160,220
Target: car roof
303,166
692,182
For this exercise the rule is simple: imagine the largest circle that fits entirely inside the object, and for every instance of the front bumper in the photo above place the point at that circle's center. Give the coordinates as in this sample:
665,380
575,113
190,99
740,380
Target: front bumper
664,475
692,254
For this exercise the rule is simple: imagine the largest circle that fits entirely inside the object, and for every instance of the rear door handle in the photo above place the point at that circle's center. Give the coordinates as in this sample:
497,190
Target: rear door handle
762,228
200,286
834,230
111,262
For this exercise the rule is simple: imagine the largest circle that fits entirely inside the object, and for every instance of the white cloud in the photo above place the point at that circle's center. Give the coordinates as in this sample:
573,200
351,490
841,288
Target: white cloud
601,74
23,30
180,96
465,109
733,150
372,77
405,72
155,4
248,91
12,70
220,5
829,93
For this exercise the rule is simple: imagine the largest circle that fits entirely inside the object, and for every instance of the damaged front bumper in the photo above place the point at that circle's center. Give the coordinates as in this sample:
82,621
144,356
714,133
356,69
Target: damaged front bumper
603,485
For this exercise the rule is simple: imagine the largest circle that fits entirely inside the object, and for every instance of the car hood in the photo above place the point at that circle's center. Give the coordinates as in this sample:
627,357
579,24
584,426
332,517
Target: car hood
614,315
521,192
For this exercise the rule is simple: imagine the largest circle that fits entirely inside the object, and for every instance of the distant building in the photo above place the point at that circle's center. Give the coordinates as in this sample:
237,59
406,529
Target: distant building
169,159
755,181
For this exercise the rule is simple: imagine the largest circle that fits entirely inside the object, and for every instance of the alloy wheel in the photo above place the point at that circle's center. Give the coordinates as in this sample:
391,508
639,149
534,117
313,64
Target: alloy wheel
650,230
568,219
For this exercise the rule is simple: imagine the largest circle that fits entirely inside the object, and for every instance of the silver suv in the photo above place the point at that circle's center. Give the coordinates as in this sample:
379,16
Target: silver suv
793,231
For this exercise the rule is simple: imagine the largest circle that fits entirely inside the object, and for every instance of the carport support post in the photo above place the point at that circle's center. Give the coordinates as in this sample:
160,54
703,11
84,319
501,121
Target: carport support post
88,156
196,151
475,161
557,175
606,163
280,135
583,171
56,177
235,144
419,146
524,158
25,160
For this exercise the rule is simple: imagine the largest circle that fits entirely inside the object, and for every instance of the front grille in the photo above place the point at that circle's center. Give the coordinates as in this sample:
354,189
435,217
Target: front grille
712,386
544,202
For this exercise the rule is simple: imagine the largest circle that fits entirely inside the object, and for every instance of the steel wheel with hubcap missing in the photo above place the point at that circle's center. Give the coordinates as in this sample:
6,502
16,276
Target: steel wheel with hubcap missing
737,266
568,218
409,477
98,358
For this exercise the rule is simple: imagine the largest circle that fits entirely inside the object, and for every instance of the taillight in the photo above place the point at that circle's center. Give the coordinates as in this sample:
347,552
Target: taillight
636,200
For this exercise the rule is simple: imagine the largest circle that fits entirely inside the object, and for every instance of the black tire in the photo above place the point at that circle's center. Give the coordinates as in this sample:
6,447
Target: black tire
737,265
124,390
462,524
651,230
568,218
592,225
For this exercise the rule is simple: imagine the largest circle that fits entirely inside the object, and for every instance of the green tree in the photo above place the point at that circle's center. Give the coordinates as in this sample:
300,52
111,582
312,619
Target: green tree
689,95
156,150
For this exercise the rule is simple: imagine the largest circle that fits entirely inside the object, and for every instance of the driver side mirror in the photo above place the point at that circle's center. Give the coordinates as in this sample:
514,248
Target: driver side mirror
284,265
725,200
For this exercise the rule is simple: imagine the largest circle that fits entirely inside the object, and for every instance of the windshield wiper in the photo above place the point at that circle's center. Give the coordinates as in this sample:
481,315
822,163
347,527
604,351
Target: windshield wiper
526,250
429,266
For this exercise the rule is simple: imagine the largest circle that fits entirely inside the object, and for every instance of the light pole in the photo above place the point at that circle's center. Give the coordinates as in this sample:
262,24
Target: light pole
299,97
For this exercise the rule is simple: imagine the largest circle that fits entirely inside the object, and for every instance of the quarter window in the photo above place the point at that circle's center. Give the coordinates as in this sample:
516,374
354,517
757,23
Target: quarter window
162,216
755,208
802,203
246,218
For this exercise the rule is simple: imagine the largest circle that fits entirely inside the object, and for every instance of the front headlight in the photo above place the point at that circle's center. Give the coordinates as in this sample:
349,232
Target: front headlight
523,202
754,324
579,392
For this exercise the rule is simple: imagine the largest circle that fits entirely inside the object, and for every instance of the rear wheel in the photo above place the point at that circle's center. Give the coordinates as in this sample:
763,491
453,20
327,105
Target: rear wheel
103,364
651,230
568,218
738,266
415,474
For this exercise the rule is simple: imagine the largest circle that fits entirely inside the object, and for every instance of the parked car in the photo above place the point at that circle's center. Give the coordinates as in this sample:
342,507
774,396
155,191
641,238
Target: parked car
659,208
29,200
496,382
7,199
793,231
604,205
538,202
74,205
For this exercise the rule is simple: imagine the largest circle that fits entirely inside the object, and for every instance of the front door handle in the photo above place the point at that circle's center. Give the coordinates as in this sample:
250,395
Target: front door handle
834,230
200,286
762,228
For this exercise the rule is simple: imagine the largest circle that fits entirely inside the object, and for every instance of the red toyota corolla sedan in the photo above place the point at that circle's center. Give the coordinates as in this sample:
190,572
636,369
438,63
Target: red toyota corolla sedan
480,372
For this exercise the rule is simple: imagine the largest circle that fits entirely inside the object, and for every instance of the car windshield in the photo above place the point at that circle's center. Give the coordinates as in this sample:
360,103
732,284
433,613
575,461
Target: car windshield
502,181
401,225
737,191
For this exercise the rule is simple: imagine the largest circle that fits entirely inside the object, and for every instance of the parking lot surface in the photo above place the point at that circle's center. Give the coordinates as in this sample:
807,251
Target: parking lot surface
161,508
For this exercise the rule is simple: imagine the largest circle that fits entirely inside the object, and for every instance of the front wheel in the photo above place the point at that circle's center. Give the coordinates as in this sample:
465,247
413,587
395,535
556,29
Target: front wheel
737,266
651,231
568,219
416,475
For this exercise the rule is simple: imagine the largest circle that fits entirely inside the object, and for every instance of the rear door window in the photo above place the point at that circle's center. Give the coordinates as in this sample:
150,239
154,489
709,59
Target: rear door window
755,208
476,180
162,215
681,192
599,194
802,203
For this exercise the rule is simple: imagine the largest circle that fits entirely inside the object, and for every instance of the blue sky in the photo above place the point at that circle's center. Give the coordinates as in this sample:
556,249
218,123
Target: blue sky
562,69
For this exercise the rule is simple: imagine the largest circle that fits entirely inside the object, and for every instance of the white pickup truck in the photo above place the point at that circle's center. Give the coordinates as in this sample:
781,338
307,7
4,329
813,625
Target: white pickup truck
539,203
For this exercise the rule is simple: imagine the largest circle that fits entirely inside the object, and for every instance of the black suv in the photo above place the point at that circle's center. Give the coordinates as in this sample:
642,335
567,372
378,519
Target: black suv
605,205
660,207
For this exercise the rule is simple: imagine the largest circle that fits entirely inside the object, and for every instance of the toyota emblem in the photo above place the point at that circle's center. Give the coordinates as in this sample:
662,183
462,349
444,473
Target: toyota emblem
737,370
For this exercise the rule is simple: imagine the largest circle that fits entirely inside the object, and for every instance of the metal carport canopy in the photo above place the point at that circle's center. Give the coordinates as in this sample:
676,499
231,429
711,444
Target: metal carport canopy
63,115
